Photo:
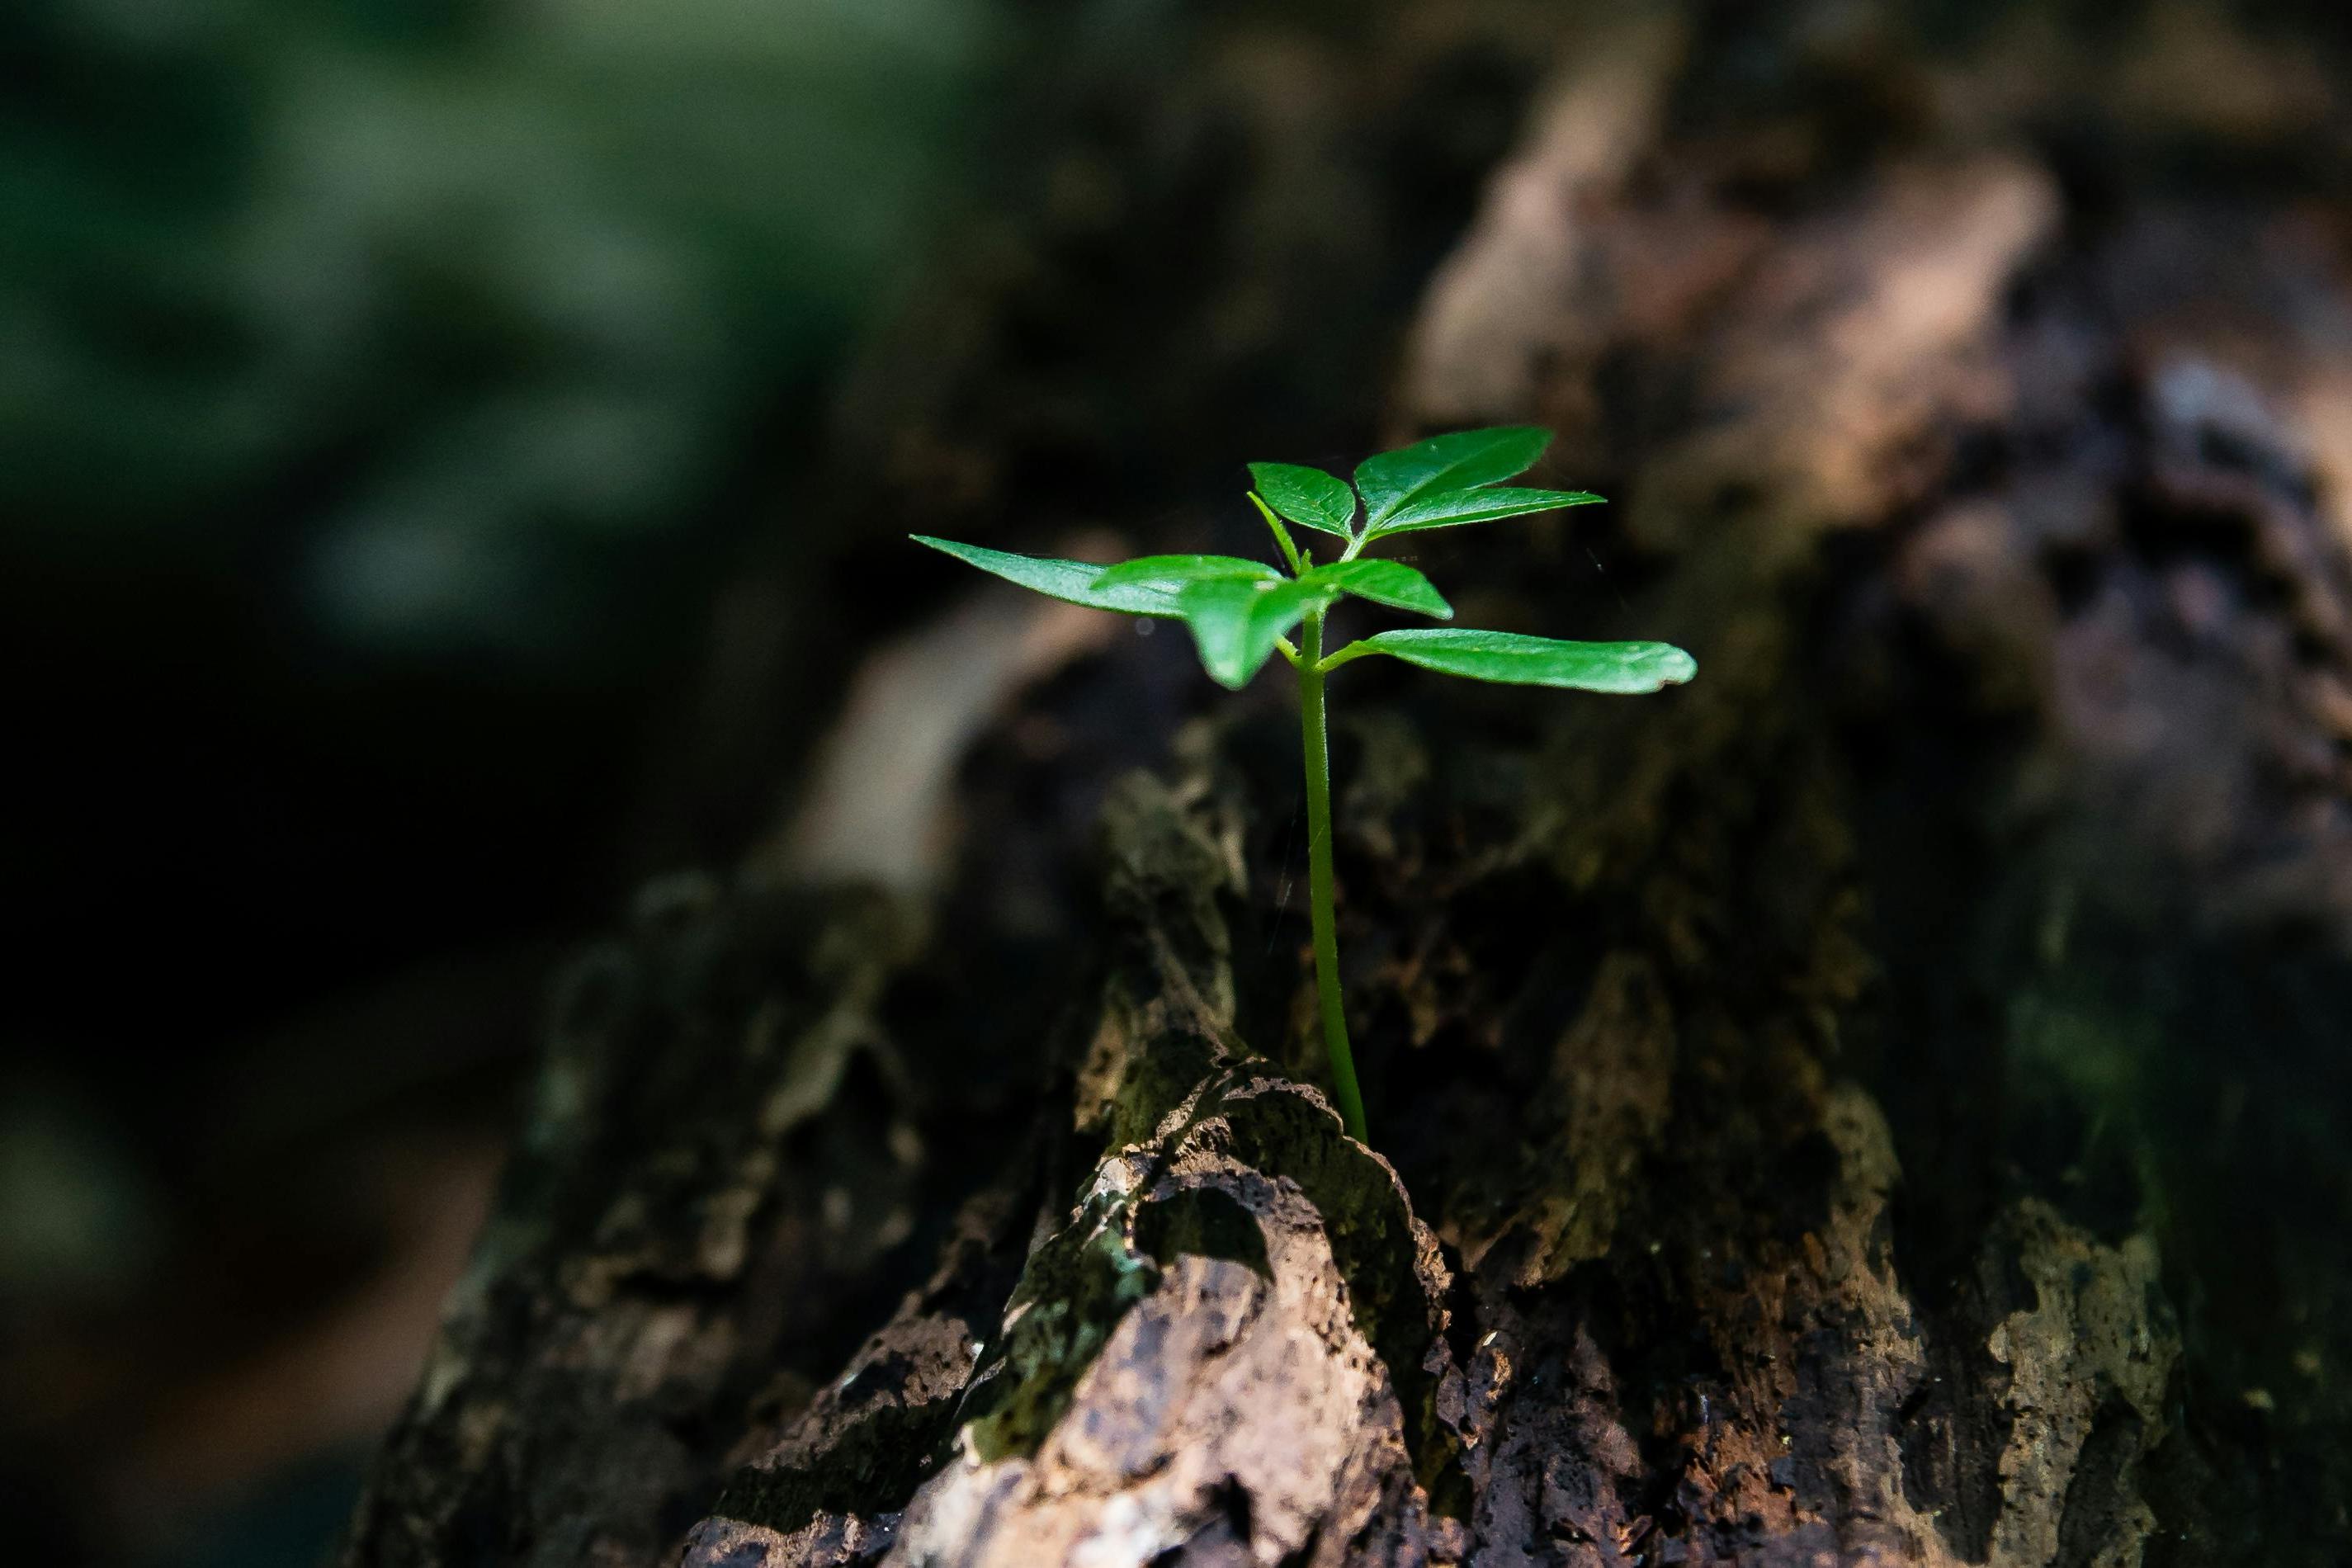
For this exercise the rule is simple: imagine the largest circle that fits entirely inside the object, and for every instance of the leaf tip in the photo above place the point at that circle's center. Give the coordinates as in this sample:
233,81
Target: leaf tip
1224,674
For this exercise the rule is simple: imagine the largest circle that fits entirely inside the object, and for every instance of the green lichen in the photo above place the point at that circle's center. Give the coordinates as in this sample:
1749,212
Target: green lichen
1070,1300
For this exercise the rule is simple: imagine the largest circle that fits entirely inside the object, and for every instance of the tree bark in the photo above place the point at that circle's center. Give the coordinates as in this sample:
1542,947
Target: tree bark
1871,1106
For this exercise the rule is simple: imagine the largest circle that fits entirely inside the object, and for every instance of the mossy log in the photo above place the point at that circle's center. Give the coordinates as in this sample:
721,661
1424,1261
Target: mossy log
1879,1104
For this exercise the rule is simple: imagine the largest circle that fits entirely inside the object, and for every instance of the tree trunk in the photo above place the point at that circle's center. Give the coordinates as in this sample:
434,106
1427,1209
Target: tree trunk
1871,1105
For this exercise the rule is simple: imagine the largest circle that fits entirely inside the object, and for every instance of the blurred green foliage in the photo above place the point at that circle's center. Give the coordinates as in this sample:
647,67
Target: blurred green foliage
384,384
430,302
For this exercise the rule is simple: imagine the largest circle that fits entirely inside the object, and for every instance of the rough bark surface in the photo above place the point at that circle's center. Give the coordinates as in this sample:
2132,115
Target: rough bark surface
1871,1106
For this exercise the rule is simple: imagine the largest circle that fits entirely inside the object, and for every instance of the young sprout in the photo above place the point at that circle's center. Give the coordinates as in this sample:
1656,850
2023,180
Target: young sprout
1242,613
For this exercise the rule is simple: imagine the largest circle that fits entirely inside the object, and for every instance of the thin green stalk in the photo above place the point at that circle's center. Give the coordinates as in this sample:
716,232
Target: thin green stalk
1298,563
1316,730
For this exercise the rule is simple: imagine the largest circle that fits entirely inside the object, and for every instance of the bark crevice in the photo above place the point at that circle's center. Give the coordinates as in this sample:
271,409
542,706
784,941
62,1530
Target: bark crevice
1837,1112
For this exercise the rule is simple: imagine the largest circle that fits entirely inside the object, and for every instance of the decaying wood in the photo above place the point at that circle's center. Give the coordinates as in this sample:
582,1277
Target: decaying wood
1858,1109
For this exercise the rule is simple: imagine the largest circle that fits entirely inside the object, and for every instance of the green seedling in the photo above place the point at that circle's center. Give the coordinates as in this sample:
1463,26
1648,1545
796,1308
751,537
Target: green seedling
1242,613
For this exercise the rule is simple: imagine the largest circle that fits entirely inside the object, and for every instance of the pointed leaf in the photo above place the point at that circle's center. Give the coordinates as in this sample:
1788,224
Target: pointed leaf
1235,622
1307,497
1507,657
1454,508
1175,573
1390,583
1464,459
1073,581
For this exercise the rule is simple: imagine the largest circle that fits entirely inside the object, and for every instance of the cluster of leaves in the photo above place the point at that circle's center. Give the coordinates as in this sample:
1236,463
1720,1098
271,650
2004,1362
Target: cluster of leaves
1241,612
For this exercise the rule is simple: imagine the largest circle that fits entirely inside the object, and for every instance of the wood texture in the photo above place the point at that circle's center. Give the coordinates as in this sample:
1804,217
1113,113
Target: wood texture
1871,1106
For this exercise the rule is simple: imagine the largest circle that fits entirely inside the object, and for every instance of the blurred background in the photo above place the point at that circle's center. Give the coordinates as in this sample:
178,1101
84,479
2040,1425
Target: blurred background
404,408
387,387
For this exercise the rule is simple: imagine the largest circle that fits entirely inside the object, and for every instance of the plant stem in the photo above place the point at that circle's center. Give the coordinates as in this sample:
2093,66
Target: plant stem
1281,536
1315,730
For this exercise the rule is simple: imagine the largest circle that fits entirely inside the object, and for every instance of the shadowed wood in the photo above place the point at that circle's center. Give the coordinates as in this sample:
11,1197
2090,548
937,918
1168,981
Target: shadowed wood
1871,1105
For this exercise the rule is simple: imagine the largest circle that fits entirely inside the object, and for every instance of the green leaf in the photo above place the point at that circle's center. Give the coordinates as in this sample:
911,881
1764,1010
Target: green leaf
1307,497
1454,508
1390,583
1464,459
1073,581
1176,572
1236,622
1507,657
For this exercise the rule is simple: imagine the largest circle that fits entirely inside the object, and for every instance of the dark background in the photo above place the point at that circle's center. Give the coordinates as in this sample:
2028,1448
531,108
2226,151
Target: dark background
396,399
388,389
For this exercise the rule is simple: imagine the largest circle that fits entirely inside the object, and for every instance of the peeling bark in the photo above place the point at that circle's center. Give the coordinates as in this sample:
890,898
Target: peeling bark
1869,1107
